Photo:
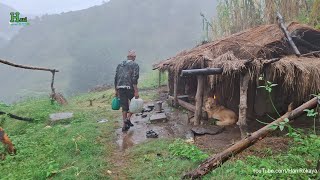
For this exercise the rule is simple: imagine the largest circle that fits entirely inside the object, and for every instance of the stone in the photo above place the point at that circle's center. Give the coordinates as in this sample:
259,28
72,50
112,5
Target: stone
212,130
60,116
160,117
102,121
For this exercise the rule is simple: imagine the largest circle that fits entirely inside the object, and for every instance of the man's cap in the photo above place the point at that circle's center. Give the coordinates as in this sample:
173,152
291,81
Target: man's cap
131,53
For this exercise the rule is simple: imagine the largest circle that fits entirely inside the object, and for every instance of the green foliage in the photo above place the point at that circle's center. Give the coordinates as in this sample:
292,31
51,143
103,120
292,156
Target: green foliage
150,80
280,125
311,112
268,87
182,149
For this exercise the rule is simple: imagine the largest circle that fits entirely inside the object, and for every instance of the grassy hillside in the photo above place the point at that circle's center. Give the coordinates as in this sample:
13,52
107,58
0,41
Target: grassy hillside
87,45
81,148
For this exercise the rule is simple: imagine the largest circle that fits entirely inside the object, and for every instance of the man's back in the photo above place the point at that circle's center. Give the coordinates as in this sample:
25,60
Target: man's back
127,74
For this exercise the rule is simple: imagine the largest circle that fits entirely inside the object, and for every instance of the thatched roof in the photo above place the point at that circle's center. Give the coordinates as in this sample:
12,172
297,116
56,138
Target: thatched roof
259,44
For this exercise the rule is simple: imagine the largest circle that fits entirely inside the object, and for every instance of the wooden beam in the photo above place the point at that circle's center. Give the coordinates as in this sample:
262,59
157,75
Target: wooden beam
242,121
27,67
286,33
216,160
187,105
206,71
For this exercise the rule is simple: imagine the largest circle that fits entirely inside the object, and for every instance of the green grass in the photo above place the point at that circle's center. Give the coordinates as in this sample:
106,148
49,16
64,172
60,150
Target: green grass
150,80
83,149
76,149
303,153
153,160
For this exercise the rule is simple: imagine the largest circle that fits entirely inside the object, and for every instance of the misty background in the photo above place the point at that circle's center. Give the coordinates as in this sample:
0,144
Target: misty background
86,40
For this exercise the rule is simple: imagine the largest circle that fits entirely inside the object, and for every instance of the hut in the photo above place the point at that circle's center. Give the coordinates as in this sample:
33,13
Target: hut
248,59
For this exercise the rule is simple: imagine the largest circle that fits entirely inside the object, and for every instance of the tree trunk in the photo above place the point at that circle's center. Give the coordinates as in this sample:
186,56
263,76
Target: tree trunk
216,160
244,82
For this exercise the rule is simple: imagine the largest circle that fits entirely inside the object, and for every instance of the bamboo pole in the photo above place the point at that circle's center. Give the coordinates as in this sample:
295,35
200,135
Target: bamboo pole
216,160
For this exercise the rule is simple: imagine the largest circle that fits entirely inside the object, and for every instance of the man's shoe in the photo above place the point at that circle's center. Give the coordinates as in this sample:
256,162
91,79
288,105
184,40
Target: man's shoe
129,123
125,128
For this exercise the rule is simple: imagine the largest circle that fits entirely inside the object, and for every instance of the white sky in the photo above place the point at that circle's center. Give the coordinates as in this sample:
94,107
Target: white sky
38,7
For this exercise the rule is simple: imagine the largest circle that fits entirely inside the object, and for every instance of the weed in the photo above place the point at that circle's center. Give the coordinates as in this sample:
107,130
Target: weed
182,149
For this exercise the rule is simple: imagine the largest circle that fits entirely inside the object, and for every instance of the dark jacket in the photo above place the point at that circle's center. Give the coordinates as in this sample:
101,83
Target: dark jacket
127,74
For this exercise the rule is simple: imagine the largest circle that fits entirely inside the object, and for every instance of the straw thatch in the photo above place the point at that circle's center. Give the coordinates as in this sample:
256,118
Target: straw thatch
258,45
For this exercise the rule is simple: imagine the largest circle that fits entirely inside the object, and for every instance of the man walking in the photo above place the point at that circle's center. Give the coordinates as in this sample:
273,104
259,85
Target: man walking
126,86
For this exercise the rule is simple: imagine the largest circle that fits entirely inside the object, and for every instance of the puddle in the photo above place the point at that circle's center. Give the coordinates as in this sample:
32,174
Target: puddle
176,127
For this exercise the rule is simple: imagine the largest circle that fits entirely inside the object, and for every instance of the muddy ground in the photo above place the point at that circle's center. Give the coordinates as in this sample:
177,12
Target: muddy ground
177,127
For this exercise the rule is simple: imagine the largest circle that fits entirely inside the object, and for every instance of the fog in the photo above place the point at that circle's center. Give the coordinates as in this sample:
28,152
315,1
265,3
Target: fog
87,44
39,7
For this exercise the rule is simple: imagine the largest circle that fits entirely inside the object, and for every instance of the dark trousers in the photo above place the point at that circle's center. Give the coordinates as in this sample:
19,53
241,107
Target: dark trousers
125,97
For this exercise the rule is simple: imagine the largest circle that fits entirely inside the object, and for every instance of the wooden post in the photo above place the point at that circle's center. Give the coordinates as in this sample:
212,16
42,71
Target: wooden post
175,90
199,100
159,78
242,121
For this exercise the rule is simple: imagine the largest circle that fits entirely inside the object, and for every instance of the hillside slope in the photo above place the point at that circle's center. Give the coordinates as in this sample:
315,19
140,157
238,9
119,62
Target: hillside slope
87,45
6,31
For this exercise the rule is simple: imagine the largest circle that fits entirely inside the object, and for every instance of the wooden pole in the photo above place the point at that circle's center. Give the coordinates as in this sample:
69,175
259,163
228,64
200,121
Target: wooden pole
199,99
216,160
159,79
27,67
242,121
175,90
286,33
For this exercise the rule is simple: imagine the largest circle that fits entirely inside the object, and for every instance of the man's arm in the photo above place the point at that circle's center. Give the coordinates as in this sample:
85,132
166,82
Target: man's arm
135,78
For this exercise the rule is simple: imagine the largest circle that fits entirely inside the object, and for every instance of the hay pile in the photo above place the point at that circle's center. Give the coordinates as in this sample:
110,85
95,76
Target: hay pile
258,45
